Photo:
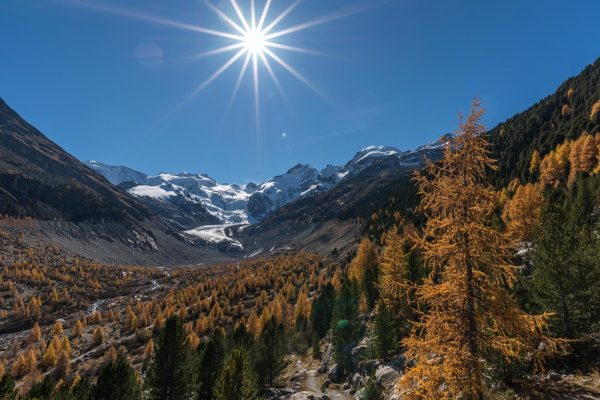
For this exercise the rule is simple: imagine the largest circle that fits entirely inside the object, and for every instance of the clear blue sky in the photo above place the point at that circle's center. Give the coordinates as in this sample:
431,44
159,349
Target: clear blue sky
102,85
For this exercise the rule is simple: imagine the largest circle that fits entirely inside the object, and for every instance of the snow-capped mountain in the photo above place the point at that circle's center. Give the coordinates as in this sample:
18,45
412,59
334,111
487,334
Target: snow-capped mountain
115,174
230,204
300,180
226,203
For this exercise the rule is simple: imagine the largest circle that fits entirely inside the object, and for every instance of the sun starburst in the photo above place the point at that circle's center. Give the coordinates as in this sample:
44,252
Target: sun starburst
254,46
254,41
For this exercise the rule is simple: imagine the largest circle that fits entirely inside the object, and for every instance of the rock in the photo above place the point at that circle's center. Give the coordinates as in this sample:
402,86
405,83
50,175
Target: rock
361,394
277,394
306,395
360,351
367,367
335,374
323,368
386,376
553,376
271,393
397,363
346,386
357,380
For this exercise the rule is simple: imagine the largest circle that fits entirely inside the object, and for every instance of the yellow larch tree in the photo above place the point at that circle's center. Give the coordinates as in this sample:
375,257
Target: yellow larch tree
588,158
469,311
253,324
363,270
57,329
36,333
595,109
522,212
78,329
534,164
396,290
552,169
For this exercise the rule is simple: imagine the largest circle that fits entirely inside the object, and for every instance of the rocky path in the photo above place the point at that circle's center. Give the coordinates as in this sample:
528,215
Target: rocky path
304,378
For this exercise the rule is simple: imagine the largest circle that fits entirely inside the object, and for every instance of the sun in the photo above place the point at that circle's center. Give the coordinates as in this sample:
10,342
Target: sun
254,39
254,42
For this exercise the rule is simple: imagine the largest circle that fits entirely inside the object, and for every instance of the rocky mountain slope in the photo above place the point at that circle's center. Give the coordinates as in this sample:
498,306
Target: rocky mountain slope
77,208
230,204
304,208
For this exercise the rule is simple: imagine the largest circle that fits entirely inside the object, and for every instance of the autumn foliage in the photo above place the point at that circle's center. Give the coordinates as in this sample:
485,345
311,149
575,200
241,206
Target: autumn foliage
470,313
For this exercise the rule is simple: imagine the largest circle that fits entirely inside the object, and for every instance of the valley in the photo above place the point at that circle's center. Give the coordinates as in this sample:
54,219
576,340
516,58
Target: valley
397,275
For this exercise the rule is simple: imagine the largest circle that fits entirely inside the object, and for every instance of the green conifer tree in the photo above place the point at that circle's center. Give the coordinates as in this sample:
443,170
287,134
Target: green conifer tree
565,268
270,351
237,380
372,390
8,390
383,333
322,310
344,327
172,374
212,355
117,380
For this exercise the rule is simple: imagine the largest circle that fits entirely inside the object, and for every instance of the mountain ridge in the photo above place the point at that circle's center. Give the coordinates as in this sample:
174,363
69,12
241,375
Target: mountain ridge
230,203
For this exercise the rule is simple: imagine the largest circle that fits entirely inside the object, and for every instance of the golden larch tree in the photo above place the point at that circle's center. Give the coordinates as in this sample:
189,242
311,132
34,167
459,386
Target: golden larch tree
469,311
534,164
552,169
522,212
595,110
589,153
395,288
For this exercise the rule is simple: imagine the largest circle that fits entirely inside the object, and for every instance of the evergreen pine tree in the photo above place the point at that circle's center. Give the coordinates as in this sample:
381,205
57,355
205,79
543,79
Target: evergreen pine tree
117,380
269,351
566,273
344,330
211,354
372,390
8,390
383,337
172,374
240,337
322,310
237,380
42,390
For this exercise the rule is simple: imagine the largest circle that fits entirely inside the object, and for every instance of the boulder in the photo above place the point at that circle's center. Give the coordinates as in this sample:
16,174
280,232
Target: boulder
386,376
553,376
308,395
335,374
360,352
357,380
322,368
